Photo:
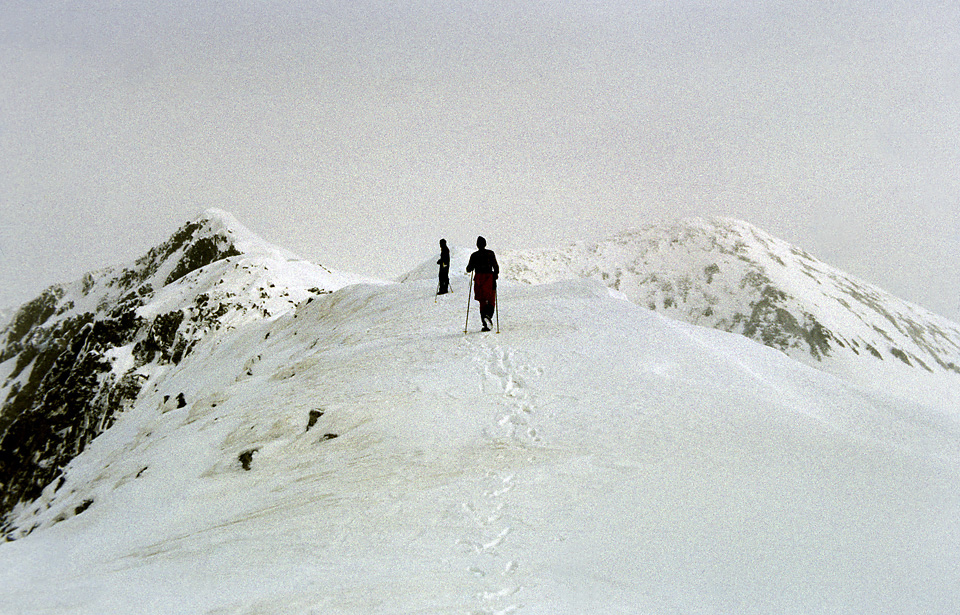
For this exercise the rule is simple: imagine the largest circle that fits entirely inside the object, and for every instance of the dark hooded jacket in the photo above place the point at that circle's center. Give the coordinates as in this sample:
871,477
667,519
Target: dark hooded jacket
483,261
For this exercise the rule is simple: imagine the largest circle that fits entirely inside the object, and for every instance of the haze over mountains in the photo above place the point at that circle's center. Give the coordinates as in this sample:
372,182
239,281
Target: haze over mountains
223,427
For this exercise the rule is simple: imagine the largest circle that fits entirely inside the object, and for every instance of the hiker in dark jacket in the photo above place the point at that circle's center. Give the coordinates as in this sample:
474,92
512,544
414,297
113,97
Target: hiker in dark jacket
483,263
444,286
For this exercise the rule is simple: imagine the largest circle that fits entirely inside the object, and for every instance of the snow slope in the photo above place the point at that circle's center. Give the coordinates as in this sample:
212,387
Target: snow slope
729,275
360,454
80,353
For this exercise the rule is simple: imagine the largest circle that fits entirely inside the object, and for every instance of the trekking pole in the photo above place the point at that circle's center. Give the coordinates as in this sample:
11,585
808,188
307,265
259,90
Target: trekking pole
496,303
469,290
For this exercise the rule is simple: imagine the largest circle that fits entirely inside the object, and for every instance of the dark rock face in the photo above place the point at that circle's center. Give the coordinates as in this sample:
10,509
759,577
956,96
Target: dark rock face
62,409
198,254
66,385
32,315
772,323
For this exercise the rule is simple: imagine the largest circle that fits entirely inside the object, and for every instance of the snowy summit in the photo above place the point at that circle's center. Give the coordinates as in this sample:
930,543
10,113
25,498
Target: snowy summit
221,427
729,275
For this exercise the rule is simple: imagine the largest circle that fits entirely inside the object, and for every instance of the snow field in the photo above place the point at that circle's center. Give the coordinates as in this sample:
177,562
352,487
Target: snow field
593,457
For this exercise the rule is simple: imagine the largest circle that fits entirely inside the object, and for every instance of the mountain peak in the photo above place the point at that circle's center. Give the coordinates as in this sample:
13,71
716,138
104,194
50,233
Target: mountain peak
79,353
222,217
729,275
215,222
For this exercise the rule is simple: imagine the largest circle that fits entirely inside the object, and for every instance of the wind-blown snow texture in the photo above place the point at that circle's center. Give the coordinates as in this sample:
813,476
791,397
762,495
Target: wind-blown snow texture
355,452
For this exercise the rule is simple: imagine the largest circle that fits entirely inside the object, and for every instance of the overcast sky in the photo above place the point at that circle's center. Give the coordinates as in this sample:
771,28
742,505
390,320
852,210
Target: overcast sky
358,132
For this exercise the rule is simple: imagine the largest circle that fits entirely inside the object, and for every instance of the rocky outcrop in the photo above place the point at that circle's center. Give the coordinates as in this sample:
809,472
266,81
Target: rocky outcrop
65,387
77,355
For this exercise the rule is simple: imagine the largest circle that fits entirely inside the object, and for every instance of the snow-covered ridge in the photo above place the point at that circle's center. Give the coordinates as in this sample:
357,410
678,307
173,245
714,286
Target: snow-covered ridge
729,275
360,455
75,356
223,434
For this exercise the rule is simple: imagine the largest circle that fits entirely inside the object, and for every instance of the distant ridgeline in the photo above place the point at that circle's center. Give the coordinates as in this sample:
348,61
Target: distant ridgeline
78,354
731,276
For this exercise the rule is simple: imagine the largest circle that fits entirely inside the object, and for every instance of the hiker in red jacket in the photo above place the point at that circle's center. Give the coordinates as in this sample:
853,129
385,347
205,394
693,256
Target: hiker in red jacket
483,263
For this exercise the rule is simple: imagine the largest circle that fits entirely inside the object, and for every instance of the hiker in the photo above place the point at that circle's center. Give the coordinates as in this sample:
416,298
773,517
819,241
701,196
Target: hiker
444,286
483,263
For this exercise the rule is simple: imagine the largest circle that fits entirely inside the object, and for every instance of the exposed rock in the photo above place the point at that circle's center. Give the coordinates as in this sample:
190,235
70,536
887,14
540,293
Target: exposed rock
731,276
246,458
64,390
81,353
313,418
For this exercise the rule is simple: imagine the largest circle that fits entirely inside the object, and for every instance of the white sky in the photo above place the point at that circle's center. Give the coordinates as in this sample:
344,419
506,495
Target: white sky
359,132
